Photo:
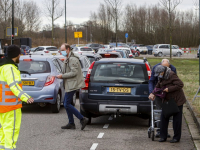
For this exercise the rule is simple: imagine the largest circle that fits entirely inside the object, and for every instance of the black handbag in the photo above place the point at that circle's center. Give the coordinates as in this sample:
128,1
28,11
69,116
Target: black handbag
169,108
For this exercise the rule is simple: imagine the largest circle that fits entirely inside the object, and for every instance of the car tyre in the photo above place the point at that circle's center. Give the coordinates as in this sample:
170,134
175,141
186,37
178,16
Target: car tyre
55,108
74,100
160,54
87,115
178,54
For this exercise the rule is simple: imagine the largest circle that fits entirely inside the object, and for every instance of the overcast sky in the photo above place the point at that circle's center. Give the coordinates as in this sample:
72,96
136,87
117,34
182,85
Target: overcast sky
78,11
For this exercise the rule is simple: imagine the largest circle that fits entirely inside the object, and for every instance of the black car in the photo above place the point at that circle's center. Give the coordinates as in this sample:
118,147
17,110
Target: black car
92,57
116,86
95,46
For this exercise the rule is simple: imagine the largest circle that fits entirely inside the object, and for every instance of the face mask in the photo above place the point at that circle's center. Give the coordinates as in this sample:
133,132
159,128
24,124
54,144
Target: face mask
160,76
64,53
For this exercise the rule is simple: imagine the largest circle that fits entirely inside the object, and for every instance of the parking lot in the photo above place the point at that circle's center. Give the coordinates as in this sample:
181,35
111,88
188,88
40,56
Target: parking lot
41,130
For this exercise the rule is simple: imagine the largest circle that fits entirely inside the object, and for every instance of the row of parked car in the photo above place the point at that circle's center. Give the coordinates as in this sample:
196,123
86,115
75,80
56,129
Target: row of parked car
115,83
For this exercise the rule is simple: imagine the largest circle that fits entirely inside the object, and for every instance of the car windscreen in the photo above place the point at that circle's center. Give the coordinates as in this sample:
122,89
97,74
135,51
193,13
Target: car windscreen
119,73
86,49
52,49
35,67
109,56
91,59
121,52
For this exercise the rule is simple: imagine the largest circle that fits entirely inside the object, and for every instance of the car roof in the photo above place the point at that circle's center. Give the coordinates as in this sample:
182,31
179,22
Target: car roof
118,48
47,46
106,60
89,54
37,57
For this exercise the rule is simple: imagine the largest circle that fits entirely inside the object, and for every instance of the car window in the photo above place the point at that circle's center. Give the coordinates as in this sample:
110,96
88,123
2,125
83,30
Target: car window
87,65
81,63
35,67
86,49
91,59
40,49
58,68
61,63
96,45
110,55
52,49
119,73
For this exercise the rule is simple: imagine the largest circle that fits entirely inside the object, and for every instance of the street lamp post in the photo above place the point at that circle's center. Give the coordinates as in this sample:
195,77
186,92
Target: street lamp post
65,21
13,26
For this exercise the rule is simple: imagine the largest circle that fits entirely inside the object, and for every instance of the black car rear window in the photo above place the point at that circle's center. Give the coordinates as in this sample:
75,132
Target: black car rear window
119,73
35,67
86,49
109,55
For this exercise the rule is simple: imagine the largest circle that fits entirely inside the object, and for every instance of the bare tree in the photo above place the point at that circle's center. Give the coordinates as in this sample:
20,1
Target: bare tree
115,6
5,6
170,6
54,12
32,16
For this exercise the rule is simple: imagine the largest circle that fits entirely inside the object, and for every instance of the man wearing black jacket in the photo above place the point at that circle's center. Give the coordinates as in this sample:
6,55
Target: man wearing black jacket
5,49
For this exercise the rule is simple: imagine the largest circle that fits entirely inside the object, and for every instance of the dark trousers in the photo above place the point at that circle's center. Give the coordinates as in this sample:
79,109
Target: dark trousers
177,123
71,110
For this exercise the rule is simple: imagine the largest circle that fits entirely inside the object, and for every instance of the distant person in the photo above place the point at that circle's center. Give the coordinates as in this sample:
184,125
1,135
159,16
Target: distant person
73,81
173,86
5,49
152,83
11,97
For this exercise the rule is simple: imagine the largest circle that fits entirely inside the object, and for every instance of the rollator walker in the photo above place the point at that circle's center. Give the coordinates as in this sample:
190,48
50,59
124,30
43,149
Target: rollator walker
155,118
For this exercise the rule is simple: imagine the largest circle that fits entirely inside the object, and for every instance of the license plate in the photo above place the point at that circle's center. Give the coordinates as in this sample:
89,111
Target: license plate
28,83
119,90
53,53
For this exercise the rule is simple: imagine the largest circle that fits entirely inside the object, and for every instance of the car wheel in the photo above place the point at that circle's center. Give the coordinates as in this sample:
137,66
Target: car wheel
160,54
55,108
74,100
178,54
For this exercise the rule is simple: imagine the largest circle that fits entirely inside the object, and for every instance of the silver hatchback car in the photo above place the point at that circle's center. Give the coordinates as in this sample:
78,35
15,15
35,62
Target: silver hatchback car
38,74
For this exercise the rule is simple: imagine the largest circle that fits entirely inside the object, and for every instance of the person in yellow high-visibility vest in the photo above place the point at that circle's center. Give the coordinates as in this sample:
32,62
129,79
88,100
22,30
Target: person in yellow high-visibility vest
11,97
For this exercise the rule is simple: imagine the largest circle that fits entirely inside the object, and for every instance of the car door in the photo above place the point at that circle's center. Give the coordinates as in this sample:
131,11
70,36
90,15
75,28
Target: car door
174,50
57,63
167,50
162,49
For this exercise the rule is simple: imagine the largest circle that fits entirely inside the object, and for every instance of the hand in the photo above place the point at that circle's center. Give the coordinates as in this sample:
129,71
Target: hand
152,97
166,90
59,76
30,101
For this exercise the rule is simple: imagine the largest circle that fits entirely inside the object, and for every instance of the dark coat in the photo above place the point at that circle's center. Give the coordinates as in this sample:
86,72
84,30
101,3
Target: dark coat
154,80
174,85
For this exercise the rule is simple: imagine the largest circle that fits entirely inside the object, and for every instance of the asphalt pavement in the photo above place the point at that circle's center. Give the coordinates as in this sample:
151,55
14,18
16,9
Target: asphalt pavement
41,130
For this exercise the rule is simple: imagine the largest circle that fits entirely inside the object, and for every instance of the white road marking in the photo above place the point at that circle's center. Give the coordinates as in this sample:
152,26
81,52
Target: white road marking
110,118
106,126
100,136
94,146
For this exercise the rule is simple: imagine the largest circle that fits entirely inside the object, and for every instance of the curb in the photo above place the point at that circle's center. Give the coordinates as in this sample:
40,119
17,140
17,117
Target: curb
193,124
194,115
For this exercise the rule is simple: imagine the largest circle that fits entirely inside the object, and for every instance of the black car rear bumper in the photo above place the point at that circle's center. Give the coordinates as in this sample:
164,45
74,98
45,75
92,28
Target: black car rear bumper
101,107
